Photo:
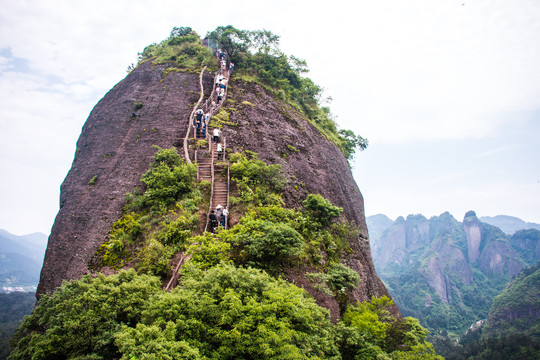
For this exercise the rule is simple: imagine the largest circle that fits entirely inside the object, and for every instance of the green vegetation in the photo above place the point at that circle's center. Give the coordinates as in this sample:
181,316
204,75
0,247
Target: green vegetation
93,180
222,313
258,59
157,223
232,302
513,327
296,236
183,49
220,119
372,333
522,241
513,309
473,293
13,308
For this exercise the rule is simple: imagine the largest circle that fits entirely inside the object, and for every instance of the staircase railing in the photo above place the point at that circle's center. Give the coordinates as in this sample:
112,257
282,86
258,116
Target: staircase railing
211,185
186,152
228,190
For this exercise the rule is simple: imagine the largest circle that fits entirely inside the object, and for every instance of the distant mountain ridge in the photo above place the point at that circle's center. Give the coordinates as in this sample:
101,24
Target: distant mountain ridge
509,224
446,272
21,258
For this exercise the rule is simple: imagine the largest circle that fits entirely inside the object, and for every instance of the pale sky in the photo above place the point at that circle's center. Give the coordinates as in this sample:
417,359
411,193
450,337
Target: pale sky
447,92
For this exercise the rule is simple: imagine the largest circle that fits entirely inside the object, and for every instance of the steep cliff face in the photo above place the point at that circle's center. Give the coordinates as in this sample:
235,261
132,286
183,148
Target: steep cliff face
115,147
401,242
152,107
456,272
490,247
281,135
527,245
472,228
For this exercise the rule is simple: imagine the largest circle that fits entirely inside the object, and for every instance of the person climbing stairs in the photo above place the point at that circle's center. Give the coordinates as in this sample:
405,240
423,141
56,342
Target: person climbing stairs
211,165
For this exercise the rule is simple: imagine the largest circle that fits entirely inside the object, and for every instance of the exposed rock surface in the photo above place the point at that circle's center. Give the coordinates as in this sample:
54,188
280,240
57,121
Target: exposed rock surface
116,145
281,135
461,265
472,228
115,148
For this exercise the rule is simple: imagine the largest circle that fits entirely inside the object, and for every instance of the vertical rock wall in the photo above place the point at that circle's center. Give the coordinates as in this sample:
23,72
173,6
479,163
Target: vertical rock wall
115,148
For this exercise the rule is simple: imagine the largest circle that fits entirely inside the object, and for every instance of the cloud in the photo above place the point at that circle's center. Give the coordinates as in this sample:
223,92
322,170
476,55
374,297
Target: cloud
432,70
399,72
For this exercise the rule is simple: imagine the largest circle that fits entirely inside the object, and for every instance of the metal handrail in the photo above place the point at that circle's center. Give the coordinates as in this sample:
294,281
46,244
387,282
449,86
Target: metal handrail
211,185
228,190
196,161
186,153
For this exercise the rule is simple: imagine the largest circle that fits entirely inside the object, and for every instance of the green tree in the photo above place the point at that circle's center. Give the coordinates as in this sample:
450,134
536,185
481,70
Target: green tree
351,142
168,179
231,39
231,313
264,41
321,210
80,318
264,244
179,31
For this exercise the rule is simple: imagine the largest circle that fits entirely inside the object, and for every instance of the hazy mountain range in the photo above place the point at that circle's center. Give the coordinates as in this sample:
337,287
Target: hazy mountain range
509,224
446,272
21,258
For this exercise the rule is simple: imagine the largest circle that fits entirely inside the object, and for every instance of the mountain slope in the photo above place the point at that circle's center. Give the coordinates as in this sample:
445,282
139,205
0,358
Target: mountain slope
509,224
517,308
21,258
447,273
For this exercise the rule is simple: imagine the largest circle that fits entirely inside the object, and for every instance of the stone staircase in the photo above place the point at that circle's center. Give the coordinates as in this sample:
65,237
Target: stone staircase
221,188
205,167
206,160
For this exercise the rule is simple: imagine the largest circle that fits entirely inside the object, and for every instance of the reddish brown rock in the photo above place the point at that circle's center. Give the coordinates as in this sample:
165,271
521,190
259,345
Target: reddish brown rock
116,145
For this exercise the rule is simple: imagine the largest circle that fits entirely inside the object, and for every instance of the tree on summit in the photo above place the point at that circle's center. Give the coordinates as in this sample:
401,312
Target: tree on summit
231,39
180,31
235,41
351,142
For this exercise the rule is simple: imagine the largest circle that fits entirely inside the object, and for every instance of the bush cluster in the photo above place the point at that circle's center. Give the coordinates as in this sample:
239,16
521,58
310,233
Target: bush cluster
183,48
157,223
222,313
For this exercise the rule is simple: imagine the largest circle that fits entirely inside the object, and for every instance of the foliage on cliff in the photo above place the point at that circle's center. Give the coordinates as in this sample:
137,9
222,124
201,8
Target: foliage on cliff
157,223
222,313
232,302
183,49
257,58
517,308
